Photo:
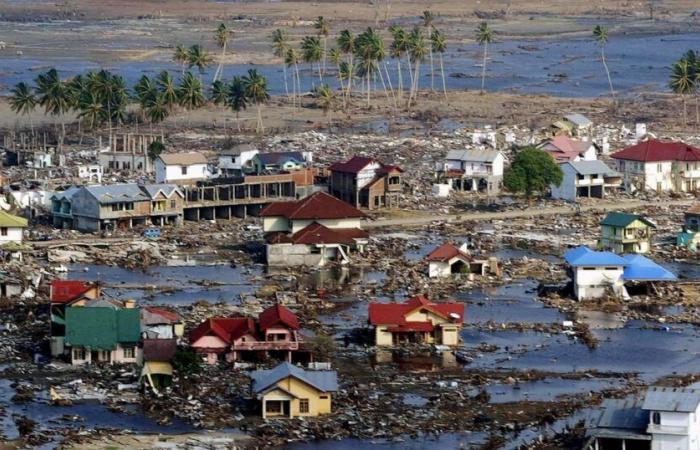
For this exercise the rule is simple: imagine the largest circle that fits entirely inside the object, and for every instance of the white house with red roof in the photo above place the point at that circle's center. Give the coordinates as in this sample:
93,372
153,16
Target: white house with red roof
660,166
312,232
564,149
449,260
366,183
418,321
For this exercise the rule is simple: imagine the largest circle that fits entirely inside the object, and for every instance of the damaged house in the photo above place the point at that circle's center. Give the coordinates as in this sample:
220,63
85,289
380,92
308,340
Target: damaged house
312,232
564,149
11,230
275,334
366,183
472,170
585,179
64,294
448,260
625,233
289,391
274,162
659,166
689,236
599,274
417,321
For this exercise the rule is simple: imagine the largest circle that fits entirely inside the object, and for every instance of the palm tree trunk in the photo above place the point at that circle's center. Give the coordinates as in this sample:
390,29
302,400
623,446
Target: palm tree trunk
351,72
414,90
340,78
320,76
284,71
388,79
697,113
325,45
367,77
381,78
685,111
442,72
432,69
400,82
296,68
607,72
410,73
260,121
483,67
31,124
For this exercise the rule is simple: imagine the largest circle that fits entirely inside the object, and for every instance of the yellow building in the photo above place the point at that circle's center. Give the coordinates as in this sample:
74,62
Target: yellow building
289,391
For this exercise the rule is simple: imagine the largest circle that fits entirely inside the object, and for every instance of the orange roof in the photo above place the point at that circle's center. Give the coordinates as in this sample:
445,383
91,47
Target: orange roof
445,253
317,206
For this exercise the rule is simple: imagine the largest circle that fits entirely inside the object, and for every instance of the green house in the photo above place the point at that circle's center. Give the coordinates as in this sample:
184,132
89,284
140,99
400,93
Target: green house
103,334
625,233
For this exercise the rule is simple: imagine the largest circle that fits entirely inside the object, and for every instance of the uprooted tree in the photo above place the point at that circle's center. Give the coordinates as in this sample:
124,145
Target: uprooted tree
532,170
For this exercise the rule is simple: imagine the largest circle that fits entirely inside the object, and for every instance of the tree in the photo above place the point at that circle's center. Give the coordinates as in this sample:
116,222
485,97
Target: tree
323,28
327,100
180,56
417,50
682,83
336,59
533,170
158,109
367,51
155,148
199,58
691,56
322,346
168,89
237,99
189,93
53,94
600,34
398,48
255,88
439,46
428,19
311,52
222,35
484,36
280,46
218,93
23,101
291,60
186,362
144,90
346,44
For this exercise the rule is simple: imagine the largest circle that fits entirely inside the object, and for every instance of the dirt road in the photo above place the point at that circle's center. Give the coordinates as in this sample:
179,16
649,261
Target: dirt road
518,213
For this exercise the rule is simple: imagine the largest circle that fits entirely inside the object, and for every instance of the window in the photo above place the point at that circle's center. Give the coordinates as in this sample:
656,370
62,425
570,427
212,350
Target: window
323,397
173,204
303,405
184,170
126,165
3,231
79,353
129,352
159,205
611,268
656,418
129,206
394,180
273,407
659,167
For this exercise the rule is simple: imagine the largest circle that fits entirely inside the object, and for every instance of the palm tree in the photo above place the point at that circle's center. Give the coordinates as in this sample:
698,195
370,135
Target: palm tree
280,46
189,93
23,101
694,67
346,44
365,49
144,90
255,88
311,52
323,28
336,58
158,109
291,60
54,95
417,50
77,85
198,57
439,46
180,56
682,83
218,92
484,36
166,86
600,34
399,47
428,19
237,99
327,100
222,35
91,108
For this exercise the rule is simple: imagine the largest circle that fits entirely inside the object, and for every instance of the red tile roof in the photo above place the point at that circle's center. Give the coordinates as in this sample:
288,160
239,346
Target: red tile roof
228,329
353,165
317,206
655,150
445,253
65,291
395,313
318,234
277,315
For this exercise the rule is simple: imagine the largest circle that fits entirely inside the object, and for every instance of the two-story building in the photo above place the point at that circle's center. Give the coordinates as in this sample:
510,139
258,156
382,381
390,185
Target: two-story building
233,162
289,391
167,202
366,183
61,208
312,232
659,166
128,152
417,321
665,419
564,149
585,179
625,233
472,170
181,168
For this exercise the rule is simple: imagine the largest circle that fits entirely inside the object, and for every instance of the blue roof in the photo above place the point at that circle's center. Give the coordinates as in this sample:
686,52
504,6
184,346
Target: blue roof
584,256
115,193
641,268
323,380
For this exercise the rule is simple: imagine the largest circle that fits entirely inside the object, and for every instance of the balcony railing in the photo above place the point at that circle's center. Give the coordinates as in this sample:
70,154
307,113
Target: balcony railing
267,345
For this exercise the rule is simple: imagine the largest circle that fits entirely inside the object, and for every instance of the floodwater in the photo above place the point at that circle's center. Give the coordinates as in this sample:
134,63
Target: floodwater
549,389
446,441
561,67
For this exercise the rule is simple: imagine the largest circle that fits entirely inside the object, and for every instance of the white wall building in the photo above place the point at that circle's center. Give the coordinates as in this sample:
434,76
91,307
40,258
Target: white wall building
231,162
11,228
181,168
92,173
585,179
473,170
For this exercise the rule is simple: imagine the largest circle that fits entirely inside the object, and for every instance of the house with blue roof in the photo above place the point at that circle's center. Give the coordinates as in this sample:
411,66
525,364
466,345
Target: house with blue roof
596,274
289,391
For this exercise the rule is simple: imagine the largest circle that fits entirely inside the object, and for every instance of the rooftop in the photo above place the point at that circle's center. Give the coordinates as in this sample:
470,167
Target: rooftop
594,167
446,252
584,256
654,150
9,221
395,313
473,155
323,380
618,219
671,399
317,206
183,159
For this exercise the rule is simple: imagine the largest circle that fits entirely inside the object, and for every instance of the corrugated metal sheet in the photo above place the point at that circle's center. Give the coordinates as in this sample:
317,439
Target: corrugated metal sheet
671,399
473,155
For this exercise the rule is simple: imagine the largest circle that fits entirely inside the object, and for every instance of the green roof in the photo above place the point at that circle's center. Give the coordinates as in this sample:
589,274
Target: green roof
617,219
8,220
102,328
